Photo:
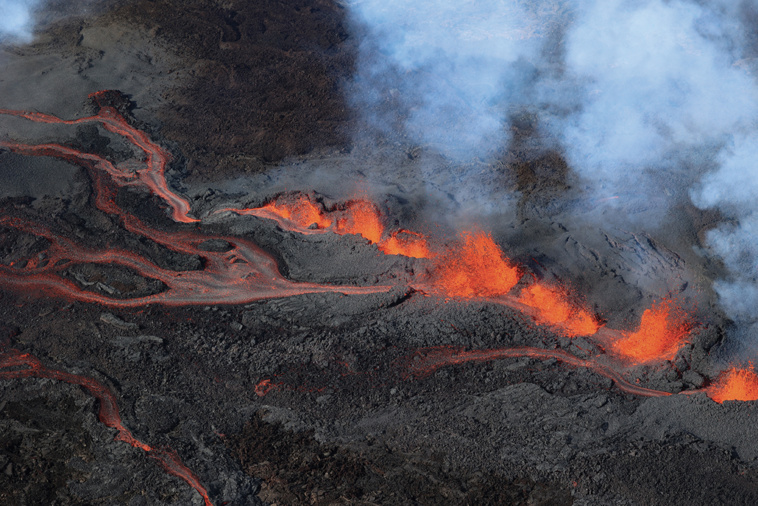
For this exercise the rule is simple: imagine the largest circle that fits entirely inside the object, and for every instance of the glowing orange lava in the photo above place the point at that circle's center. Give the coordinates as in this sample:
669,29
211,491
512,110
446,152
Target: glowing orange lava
406,243
302,212
554,309
735,385
477,269
361,217
663,331
357,216
17,365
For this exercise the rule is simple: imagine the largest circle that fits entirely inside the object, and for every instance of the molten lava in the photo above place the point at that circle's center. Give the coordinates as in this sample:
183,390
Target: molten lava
663,331
406,243
426,361
16,365
477,268
358,217
554,309
362,218
735,385
303,212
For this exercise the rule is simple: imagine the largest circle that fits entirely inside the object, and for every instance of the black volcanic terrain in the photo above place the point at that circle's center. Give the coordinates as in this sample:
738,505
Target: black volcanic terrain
164,341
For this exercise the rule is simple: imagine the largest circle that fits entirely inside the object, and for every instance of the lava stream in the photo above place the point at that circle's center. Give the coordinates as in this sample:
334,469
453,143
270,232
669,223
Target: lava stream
240,275
17,365
152,176
428,360
359,217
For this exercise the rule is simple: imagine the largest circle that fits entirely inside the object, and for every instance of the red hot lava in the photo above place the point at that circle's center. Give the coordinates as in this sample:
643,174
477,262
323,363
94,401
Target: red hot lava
16,365
475,268
662,333
554,309
735,385
297,215
360,217
406,243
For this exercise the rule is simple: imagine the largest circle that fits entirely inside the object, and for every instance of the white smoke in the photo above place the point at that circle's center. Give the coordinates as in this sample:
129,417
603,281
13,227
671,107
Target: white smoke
656,80
733,188
451,67
17,19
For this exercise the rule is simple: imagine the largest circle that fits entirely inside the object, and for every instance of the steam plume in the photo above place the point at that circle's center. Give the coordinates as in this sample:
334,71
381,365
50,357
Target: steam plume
653,81
733,188
635,92
452,68
16,19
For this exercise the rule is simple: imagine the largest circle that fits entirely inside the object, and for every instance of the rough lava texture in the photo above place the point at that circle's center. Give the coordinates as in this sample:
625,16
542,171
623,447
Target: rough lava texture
308,399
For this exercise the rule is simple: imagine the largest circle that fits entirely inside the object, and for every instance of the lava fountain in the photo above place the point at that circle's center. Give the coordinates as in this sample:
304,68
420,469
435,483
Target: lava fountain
474,268
663,331
734,384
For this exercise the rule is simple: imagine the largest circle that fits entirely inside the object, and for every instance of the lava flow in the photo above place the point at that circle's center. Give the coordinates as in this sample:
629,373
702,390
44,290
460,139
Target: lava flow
242,274
301,215
17,365
152,176
360,217
426,361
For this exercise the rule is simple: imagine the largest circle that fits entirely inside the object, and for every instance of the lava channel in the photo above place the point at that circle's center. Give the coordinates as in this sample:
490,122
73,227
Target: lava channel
17,365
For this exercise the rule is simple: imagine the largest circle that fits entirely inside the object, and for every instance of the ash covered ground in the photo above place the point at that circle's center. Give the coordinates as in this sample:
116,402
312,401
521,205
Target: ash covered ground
308,399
